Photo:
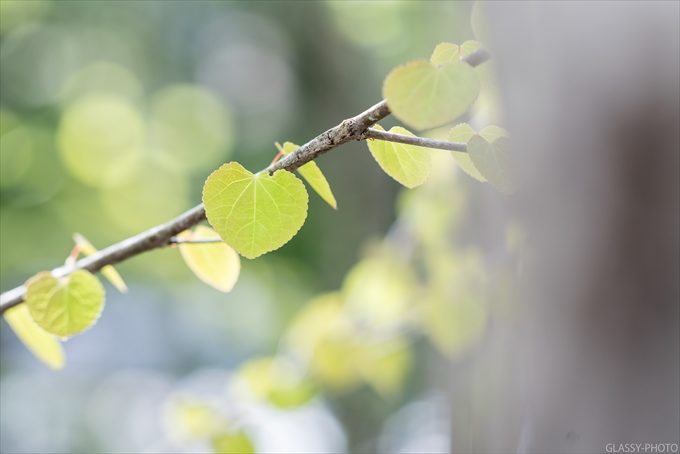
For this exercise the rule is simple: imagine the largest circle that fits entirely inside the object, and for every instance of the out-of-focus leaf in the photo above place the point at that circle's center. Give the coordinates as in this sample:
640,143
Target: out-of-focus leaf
193,419
216,264
469,47
312,173
276,381
379,292
237,442
492,160
492,133
254,214
324,337
109,272
65,306
454,324
454,311
462,133
408,164
385,365
425,95
445,53
43,345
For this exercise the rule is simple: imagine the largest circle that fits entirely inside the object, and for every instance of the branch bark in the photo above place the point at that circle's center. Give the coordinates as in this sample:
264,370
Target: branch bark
350,129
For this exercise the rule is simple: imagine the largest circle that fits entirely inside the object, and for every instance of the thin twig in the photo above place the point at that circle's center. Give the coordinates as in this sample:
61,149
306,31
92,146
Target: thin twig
175,240
159,236
414,140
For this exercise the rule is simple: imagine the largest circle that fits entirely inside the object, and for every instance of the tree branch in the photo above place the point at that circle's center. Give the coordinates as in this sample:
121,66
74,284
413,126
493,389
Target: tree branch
350,129
414,140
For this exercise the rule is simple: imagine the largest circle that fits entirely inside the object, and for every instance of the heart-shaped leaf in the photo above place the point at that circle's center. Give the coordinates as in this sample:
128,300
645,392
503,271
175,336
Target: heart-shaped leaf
254,213
425,94
216,264
408,164
312,173
462,133
445,53
42,344
492,160
65,306
109,272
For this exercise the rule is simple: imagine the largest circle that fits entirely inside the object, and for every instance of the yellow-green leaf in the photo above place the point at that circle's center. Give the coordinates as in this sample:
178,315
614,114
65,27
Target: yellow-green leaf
322,335
469,47
445,53
109,272
65,306
425,95
42,344
492,161
385,365
454,320
408,164
216,264
492,133
254,214
462,133
237,442
276,381
312,173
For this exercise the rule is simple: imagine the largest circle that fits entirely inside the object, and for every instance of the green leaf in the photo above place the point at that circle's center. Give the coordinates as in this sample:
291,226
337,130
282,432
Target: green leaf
109,272
445,53
492,160
408,164
233,443
254,214
454,325
216,264
322,335
492,133
425,95
43,345
312,173
276,381
384,365
462,133
469,47
65,306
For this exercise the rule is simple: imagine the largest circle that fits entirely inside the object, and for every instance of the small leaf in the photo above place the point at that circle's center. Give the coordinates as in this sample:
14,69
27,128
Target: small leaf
492,133
109,272
463,133
216,264
425,95
43,345
408,164
65,306
254,214
491,159
237,442
445,53
312,173
469,47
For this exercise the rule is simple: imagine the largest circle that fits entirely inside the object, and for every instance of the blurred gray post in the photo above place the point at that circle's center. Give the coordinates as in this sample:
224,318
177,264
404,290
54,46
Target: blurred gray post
591,96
